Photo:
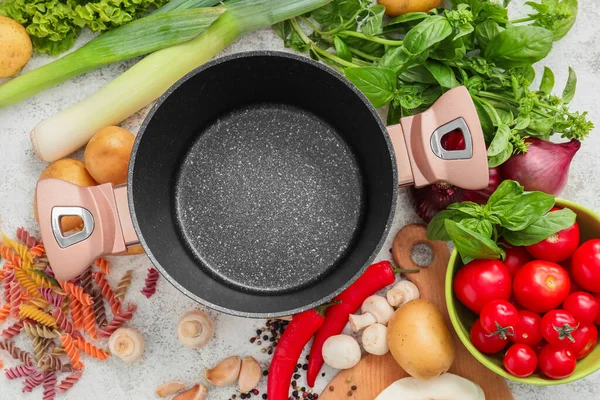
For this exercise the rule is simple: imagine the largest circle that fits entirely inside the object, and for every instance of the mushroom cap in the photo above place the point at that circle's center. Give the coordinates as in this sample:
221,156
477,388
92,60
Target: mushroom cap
195,329
379,307
374,339
341,352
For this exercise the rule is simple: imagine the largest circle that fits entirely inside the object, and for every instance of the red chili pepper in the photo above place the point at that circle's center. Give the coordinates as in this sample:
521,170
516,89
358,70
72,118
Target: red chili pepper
291,343
375,278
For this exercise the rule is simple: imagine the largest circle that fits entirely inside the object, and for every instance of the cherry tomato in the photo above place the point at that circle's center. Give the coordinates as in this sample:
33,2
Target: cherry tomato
520,360
480,282
585,266
516,257
558,327
541,286
586,338
557,247
556,362
499,317
597,320
538,347
583,306
488,344
528,329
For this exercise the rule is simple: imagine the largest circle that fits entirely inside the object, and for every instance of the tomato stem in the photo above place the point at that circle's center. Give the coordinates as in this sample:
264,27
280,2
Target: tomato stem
503,332
565,332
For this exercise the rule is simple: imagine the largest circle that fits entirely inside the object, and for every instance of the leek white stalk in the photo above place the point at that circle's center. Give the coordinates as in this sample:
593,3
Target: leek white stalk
70,129
137,38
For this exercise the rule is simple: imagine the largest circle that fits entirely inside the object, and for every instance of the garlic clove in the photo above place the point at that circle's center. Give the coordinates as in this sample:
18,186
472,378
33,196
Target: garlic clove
169,388
197,392
225,373
195,329
127,344
250,374
361,321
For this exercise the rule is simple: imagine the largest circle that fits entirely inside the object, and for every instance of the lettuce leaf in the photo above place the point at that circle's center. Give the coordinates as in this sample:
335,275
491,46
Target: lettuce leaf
54,25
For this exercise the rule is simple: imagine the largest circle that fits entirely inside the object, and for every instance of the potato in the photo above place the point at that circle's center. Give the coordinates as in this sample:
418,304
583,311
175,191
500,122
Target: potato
420,341
15,47
72,171
107,155
393,8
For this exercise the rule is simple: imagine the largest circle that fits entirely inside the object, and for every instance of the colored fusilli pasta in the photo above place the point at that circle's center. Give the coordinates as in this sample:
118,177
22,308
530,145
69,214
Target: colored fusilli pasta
12,330
118,321
51,297
33,381
76,313
40,278
40,346
123,285
19,371
69,381
99,311
62,321
14,298
34,313
72,352
38,250
10,256
89,321
90,349
50,362
86,282
15,352
26,238
4,312
49,385
103,265
151,281
39,330
107,292
27,283
77,293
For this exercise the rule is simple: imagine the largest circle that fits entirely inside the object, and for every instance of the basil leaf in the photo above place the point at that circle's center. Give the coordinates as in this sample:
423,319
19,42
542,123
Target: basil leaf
450,50
378,84
521,123
417,73
468,207
426,33
436,230
569,91
283,29
547,83
464,30
372,25
501,158
341,49
399,60
484,118
504,197
336,13
442,73
519,46
481,226
500,141
411,16
551,223
529,208
470,244
493,11
485,31
542,126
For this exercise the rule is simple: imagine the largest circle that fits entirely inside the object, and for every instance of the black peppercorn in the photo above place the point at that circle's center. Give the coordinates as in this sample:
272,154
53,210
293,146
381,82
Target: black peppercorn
353,387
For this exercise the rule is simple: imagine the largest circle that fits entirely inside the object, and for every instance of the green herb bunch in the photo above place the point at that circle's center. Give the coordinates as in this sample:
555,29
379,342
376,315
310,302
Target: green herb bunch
519,218
409,61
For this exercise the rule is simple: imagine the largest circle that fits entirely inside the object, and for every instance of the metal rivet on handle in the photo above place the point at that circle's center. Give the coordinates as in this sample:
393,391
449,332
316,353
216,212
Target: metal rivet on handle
438,134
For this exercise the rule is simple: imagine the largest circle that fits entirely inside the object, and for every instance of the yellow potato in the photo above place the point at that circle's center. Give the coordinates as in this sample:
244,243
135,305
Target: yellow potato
420,341
107,155
15,47
72,171
393,8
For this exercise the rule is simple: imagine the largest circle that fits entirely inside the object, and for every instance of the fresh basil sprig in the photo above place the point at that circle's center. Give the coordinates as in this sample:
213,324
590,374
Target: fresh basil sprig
520,218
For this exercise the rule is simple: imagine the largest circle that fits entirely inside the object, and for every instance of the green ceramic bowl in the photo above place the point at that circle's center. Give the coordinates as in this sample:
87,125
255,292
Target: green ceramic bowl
463,319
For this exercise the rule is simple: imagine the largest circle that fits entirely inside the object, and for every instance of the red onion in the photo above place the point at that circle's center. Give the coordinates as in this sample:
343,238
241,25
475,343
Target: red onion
545,166
432,199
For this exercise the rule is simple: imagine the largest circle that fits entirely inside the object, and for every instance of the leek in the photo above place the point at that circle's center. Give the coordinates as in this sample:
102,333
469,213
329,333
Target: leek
137,38
147,80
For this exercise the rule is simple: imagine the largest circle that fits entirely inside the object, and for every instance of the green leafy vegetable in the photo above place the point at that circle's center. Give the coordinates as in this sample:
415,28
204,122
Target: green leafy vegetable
519,46
378,84
342,49
569,91
541,229
547,83
470,244
427,33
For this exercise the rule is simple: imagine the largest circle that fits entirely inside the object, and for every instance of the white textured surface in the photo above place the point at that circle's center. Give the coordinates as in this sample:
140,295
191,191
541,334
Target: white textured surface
165,358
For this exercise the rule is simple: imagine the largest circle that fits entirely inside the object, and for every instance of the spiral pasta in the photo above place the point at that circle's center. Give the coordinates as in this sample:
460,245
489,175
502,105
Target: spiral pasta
19,371
99,311
123,285
40,278
107,293
118,321
90,349
76,313
151,281
69,381
72,352
38,250
89,321
34,313
41,264
27,283
39,330
16,352
4,312
49,385
33,381
26,238
9,277
103,265
51,296
12,330
50,362
14,298
86,281
76,292
19,248
10,256
40,346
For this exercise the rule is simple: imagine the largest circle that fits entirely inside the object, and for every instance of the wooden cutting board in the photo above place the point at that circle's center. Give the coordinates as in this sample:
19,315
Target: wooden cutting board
375,373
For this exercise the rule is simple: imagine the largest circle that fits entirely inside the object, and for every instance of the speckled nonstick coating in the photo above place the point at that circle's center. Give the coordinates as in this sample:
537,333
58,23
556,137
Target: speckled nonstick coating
262,184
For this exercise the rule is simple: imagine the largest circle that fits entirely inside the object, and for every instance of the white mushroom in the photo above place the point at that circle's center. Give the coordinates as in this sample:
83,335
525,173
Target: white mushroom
197,392
250,374
374,339
195,329
169,388
402,292
375,309
446,386
225,373
127,344
341,352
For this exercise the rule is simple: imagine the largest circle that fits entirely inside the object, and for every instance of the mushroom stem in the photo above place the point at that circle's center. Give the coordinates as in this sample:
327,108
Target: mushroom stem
190,329
394,297
402,292
358,322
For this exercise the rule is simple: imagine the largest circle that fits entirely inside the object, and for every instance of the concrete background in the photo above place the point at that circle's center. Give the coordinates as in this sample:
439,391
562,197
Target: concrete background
165,358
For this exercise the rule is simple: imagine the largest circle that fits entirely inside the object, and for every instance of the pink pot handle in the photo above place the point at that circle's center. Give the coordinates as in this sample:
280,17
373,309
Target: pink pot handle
420,157
107,225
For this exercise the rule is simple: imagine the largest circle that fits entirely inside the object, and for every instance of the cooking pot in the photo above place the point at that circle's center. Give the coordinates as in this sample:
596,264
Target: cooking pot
262,184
